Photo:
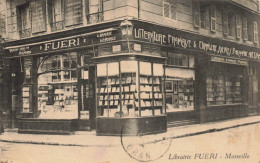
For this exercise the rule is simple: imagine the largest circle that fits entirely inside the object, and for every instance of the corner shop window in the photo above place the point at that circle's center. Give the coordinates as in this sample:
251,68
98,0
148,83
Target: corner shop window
118,92
57,87
224,87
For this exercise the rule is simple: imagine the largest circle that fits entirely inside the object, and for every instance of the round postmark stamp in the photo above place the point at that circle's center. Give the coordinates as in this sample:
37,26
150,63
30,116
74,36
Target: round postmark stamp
145,148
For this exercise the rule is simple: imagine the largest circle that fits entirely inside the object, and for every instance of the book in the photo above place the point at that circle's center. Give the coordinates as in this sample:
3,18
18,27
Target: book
114,89
132,88
128,80
126,88
111,102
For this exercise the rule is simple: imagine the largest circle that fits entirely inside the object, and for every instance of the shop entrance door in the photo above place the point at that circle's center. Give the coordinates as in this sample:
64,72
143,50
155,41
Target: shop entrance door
87,104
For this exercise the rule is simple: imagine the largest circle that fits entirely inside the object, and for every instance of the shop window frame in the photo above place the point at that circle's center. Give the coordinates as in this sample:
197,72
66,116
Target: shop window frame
59,70
137,99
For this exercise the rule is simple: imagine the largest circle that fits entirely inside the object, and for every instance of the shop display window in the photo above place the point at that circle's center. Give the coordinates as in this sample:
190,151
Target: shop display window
129,89
57,87
224,87
179,82
179,89
26,93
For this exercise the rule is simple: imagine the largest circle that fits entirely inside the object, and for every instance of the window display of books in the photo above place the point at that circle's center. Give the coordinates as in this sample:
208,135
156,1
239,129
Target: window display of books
223,90
112,91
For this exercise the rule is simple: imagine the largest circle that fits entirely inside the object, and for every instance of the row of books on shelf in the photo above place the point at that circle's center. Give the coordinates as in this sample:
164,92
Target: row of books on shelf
115,80
146,88
111,103
148,103
143,95
131,88
111,97
131,102
150,80
65,97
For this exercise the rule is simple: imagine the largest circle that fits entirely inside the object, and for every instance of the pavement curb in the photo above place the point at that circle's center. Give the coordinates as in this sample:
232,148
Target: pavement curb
114,145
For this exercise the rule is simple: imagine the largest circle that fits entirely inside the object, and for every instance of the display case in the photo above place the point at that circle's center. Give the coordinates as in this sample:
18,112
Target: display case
179,89
224,88
58,88
128,90
27,99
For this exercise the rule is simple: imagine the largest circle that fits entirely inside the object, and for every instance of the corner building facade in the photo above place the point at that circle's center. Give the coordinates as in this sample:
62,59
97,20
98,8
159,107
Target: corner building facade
131,66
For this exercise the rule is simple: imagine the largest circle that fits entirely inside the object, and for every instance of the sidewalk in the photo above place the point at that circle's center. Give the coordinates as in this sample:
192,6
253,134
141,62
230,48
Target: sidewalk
89,139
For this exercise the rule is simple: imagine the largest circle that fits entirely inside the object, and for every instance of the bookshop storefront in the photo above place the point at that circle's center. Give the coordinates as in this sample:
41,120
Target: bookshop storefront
129,78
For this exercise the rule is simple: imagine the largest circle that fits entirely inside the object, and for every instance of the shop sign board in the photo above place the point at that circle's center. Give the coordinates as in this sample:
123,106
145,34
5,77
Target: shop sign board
228,60
64,44
176,38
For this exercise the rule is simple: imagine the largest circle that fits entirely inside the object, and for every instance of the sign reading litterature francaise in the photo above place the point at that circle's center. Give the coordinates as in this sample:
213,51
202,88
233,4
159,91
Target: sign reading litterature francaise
80,41
175,38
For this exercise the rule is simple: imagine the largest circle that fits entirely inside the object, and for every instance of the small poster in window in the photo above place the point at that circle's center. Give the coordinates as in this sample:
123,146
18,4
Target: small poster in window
180,86
169,99
168,86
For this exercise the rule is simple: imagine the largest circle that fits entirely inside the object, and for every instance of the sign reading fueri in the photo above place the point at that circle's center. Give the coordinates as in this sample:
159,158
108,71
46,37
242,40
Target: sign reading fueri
65,43
61,44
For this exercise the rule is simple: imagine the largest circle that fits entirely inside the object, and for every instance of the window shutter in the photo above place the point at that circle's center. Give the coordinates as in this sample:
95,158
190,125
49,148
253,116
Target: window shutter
77,16
173,11
38,10
238,26
213,18
225,22
50,13
245,34
73,12
196,13
255,32
166,10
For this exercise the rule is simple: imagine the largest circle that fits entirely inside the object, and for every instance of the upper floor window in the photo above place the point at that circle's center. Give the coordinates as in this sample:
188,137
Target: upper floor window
24,20
2,18
238,26
38,8
204,14
94,11
245,28
255,32
169,9
73,12
231,24
56,14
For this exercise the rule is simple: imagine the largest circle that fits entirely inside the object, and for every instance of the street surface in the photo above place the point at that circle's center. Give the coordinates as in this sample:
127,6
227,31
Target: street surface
236,145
